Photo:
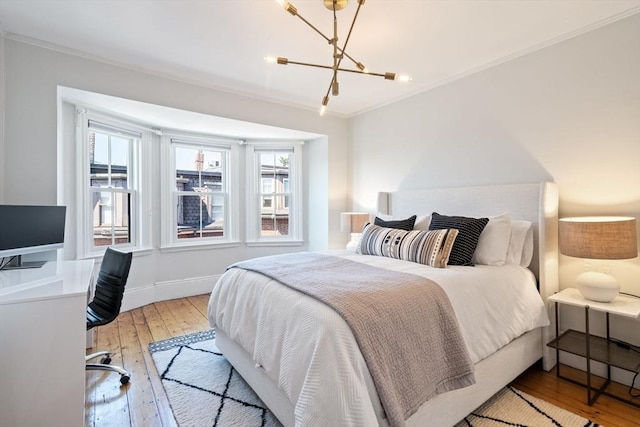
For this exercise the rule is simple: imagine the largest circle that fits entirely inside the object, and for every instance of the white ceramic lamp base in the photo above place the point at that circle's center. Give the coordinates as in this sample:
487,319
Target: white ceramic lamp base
353,243
597,286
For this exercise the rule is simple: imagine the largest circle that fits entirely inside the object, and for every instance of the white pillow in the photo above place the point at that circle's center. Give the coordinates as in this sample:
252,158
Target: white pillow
520,250
422,222
494,241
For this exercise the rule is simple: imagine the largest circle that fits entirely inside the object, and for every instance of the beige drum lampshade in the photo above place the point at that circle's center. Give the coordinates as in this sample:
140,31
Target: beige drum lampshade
598,238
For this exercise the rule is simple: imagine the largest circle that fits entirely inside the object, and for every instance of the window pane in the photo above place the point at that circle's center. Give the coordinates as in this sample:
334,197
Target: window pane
98,148
267,162
267,226
267,205
109,160
267,216
284,160
99,159
200,216
119,161
111,218
216,212
119,151
267,185
274,223
217,208
274,189
198,168
285,184
282,216
282,226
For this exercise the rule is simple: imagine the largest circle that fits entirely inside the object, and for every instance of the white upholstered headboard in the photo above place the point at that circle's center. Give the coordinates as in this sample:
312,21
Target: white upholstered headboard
537,203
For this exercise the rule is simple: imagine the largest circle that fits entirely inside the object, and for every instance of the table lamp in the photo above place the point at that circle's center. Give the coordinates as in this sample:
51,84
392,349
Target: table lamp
353,222
598,238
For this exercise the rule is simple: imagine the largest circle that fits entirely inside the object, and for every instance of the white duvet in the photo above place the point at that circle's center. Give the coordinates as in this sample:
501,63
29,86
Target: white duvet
310,352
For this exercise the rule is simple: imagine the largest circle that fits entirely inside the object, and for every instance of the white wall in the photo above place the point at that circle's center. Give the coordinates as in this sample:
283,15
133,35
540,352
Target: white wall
32,75
569,113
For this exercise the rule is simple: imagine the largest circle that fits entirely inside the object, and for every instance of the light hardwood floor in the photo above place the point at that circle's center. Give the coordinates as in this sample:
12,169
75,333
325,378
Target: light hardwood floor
143,401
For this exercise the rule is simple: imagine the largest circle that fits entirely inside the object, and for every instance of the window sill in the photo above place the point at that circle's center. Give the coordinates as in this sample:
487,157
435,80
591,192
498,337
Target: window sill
197,247
136,251
256,243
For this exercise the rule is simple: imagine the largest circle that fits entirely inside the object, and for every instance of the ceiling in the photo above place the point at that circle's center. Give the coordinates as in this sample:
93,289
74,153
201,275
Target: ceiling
222,43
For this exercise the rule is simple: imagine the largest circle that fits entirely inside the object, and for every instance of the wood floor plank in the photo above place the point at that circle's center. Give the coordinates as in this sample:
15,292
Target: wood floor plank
191,320
155,323
90,388
174,327
161,401
572,397
144,402
201,303
110,404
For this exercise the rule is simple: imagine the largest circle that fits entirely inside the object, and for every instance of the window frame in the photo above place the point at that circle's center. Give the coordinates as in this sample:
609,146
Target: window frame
254,193
138,181
229,147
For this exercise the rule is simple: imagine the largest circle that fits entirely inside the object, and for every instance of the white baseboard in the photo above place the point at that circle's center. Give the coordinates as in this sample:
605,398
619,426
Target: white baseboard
162,291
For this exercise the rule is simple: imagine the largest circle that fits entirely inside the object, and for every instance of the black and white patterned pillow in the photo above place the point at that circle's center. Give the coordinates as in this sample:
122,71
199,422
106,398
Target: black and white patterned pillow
424,247
401,224
467,240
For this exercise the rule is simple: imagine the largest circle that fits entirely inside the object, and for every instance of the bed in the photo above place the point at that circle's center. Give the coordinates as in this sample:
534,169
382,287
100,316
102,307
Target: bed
323,380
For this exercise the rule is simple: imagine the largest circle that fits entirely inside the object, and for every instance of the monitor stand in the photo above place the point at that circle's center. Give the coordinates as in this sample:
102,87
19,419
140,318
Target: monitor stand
17,264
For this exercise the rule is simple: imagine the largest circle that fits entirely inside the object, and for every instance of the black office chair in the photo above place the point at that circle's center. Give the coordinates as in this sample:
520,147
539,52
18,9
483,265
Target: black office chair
105,306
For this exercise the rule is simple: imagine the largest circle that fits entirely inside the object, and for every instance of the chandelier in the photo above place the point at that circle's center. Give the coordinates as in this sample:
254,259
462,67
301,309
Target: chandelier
339,53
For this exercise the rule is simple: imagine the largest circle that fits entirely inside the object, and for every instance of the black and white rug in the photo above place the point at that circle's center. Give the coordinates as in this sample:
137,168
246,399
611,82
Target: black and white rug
204,390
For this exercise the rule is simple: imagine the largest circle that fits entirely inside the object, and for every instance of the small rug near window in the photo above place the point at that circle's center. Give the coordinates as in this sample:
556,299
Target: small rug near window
204,390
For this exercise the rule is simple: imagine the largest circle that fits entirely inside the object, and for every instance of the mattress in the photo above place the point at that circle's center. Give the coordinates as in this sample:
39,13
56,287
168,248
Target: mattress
307,349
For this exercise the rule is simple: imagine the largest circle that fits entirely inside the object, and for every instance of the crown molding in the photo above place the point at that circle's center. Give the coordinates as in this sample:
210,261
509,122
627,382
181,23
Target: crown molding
156,73
237,92
507,58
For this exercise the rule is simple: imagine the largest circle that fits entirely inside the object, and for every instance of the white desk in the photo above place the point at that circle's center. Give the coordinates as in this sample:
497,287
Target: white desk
42,344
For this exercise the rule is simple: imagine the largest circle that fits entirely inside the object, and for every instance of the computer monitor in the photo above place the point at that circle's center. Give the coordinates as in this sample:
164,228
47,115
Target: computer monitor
26,229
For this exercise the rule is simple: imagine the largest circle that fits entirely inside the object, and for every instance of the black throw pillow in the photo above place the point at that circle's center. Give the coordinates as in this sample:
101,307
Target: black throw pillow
401,224
469,230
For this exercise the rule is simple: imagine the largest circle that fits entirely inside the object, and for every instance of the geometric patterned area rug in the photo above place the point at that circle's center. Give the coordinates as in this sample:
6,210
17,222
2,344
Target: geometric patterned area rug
204,390
512,407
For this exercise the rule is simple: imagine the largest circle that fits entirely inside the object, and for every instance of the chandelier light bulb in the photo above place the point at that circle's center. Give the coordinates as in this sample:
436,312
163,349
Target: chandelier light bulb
270,59
362,68
403,78
325,101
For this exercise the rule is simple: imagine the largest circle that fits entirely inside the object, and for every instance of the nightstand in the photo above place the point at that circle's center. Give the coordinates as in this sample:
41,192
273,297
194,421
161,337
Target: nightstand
592,347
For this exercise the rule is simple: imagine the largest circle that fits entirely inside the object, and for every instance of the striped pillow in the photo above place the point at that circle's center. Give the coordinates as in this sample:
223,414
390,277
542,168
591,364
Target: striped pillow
469,233
431,248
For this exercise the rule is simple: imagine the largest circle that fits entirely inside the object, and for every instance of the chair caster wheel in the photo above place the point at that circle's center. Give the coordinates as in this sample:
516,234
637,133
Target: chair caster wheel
124,379
106,360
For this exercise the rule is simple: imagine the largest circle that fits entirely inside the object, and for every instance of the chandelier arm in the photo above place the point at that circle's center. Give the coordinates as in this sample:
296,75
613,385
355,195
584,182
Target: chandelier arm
314,28
326,96
328,67
342,52
353,23
336,60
